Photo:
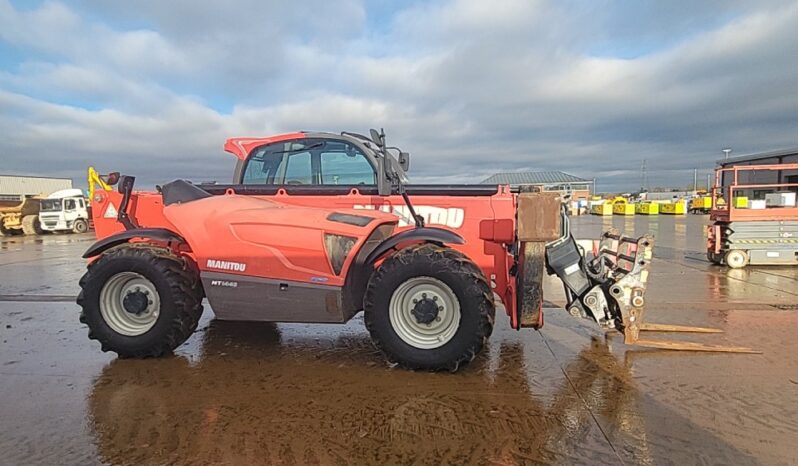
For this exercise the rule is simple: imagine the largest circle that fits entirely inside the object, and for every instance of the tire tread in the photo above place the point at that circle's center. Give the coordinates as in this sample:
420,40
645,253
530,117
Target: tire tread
183,279
452,261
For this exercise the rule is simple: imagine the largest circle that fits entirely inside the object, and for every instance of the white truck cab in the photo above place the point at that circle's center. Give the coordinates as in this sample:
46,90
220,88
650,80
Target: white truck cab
65,210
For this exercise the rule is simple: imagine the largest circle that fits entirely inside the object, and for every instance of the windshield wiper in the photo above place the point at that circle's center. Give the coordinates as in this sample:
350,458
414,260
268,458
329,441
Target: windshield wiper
303,149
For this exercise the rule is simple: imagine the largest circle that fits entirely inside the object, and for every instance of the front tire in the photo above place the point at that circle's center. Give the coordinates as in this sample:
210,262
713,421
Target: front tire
429,307
80,226
140,301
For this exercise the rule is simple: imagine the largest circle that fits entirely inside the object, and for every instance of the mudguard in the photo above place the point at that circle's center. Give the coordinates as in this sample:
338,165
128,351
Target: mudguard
421,235
161,234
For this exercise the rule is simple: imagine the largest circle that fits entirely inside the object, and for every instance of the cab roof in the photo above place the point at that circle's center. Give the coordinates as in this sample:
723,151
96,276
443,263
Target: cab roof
241,147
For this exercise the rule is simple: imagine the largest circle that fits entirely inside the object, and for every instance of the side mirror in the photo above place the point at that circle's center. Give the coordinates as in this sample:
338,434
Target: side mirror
404,161
376,137
112,178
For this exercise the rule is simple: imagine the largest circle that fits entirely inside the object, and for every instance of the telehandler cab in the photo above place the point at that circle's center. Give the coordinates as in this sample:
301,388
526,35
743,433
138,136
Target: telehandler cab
317,227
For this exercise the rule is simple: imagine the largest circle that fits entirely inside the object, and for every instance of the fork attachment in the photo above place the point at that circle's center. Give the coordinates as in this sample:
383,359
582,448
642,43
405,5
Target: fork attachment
609,286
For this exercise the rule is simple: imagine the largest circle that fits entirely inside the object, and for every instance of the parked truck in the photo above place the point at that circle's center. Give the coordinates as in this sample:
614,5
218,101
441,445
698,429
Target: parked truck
22,218
65,211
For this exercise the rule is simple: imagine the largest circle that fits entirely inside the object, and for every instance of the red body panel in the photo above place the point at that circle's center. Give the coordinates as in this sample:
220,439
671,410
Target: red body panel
245,235
486,223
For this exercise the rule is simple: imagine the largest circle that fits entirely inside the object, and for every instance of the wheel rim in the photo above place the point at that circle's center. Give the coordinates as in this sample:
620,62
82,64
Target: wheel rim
735,259
118,312
417,292
81,227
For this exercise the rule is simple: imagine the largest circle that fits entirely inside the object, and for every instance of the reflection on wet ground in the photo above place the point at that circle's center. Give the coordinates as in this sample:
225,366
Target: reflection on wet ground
310,401
244,393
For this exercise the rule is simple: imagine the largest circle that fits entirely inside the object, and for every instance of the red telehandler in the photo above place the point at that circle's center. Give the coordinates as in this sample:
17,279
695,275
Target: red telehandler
317,227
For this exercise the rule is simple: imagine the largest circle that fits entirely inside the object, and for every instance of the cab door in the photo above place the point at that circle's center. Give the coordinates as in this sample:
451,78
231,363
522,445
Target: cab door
70,209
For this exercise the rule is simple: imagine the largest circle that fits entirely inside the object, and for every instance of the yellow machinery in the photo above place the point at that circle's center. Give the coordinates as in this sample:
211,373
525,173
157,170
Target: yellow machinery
673,208
95,179
701,205
22,218
647,208
603,209
621,207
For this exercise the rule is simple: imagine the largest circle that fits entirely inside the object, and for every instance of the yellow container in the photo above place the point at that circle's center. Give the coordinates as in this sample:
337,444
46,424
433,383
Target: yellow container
673,208
647,208
701,203
623,208
601,209
741,202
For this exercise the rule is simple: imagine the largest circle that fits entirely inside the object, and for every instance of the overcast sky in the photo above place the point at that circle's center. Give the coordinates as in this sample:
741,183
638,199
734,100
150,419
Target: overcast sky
469,87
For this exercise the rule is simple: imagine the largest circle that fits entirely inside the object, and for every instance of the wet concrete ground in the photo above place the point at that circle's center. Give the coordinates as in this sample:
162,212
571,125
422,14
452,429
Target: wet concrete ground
241,393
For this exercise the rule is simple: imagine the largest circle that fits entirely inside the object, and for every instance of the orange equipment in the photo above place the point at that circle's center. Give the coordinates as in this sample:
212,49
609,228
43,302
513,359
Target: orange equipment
760,225
319,226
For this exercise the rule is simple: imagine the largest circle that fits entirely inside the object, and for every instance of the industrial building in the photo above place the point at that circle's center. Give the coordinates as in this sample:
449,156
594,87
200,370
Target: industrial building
780,157
564,183
762,158
13,188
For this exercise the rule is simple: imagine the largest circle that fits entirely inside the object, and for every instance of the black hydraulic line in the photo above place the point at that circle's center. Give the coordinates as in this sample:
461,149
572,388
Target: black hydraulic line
419,220
126,188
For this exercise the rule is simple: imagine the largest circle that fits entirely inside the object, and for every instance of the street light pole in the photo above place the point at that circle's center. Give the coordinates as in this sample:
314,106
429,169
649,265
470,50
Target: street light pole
726,151
695,181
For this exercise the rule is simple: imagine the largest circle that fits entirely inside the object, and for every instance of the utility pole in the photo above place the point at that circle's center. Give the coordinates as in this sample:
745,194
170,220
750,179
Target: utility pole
695,181
643,176
709,185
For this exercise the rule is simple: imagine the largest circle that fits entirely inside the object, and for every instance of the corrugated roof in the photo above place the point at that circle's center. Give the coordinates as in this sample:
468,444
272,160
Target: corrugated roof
30,185
519,178
758,156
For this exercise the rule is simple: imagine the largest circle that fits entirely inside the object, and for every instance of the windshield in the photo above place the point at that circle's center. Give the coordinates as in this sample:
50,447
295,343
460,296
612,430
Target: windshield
51,205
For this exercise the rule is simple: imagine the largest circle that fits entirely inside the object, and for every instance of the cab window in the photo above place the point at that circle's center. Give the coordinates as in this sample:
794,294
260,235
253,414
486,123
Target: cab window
309,162
298,169
346,168
262,168
69,204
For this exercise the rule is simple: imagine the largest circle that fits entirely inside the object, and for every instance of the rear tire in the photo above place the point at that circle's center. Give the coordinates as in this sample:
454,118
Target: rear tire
31,225
170,283
457,331
80,226
736,259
